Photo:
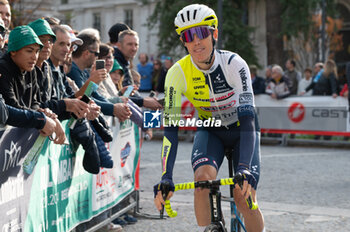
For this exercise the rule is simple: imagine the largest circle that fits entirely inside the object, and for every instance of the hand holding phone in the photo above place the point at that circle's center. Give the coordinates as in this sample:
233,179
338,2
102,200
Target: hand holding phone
128,91
100,64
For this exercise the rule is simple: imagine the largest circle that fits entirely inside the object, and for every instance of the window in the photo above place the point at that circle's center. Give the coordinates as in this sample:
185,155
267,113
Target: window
97,21
64,1
128,15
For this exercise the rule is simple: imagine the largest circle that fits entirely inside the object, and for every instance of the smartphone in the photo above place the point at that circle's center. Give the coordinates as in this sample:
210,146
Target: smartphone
128,91
152,93
100,64
85,99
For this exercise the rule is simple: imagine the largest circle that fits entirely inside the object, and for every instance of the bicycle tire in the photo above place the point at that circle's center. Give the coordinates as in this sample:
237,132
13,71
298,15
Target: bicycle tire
214,228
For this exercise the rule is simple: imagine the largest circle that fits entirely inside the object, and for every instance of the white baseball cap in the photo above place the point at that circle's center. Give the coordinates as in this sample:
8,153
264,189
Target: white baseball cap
73,38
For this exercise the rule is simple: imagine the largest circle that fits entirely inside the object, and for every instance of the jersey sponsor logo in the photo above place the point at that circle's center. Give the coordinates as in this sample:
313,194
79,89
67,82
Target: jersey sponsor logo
246,110
171,96
200,92
199,87
199,161
243,75
221,98
245,98
197,79
220,107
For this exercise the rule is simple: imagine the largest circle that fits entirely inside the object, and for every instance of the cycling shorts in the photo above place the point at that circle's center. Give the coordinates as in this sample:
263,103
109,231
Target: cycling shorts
209,148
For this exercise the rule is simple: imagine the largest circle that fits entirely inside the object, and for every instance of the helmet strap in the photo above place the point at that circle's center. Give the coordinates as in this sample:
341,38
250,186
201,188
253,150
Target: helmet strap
212,52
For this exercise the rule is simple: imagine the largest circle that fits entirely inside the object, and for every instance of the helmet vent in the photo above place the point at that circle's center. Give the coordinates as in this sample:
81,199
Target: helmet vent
182,17
194,14
209,18
188,15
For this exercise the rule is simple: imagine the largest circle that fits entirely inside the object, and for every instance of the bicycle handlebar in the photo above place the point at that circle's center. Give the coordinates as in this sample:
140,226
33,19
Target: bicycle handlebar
206,184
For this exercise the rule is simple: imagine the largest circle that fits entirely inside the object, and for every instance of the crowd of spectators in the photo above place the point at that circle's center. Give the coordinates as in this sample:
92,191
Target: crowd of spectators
50,73
322,80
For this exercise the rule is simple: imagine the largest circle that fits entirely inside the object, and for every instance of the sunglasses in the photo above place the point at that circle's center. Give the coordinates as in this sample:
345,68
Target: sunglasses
201,32
93,52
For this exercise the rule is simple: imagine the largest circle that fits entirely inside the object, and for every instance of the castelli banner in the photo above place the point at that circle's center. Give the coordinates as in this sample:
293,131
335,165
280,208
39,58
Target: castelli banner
311,113
44,187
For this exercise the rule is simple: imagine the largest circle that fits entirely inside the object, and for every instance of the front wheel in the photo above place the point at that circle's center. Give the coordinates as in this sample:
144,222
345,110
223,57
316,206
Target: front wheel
214,228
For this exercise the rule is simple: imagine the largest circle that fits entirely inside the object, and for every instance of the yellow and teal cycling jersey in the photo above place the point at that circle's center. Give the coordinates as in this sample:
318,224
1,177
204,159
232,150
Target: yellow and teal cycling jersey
215,93
223,92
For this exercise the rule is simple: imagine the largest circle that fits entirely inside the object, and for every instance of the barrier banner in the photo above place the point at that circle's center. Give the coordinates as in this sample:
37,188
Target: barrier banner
49,190
314,113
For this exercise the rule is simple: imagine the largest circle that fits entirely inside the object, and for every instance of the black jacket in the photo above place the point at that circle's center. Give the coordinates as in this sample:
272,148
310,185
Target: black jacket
18,89
325,86
258,85
118,55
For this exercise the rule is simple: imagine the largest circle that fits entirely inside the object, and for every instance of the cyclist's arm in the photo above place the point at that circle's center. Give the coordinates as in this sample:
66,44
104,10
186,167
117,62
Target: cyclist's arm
174,87
245,110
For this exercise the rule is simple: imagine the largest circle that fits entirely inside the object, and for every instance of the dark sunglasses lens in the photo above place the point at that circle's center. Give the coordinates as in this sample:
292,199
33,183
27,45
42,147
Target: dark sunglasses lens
201,32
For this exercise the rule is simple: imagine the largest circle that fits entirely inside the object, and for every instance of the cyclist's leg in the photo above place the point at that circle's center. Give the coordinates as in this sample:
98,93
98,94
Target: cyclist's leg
253,219
207,156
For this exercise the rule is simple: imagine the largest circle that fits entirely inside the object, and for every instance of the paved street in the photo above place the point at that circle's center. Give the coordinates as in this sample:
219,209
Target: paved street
301,189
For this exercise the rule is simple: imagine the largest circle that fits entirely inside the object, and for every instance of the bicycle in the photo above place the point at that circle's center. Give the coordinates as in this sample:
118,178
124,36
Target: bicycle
217,224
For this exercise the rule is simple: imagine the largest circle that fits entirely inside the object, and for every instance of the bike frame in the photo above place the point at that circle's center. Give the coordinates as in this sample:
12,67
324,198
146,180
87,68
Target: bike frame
236,221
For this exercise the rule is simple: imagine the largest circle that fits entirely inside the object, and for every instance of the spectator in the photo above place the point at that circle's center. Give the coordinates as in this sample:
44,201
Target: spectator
5,13
145,69
107,88
75,42
117,75
257,82
114,33
43,70
52,21
278,86
268,74
305,82
127,46
326,82
293,76
168,62
157,72
82,132
126,50
26,118
18,78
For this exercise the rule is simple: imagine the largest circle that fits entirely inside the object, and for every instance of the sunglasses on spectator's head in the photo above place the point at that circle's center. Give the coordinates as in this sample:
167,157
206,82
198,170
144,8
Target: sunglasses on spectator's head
201,32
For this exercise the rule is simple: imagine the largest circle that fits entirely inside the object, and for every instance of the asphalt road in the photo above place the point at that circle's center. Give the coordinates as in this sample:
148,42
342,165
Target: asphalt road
300,189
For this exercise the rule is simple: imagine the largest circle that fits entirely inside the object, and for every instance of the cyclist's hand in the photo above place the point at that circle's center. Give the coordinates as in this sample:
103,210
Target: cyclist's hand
163,189
249,181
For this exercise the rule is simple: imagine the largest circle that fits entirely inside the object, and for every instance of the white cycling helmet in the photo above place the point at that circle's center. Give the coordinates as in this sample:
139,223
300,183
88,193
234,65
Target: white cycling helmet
195,15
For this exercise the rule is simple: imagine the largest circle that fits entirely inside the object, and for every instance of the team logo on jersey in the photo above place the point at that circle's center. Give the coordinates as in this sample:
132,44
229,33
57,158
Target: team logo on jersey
218,80
245,98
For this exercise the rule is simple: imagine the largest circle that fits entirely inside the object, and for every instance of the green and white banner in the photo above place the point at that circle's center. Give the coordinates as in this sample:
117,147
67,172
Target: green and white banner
43,186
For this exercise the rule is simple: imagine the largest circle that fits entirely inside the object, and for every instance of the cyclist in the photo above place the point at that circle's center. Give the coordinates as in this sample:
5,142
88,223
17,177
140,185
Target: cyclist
218,84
